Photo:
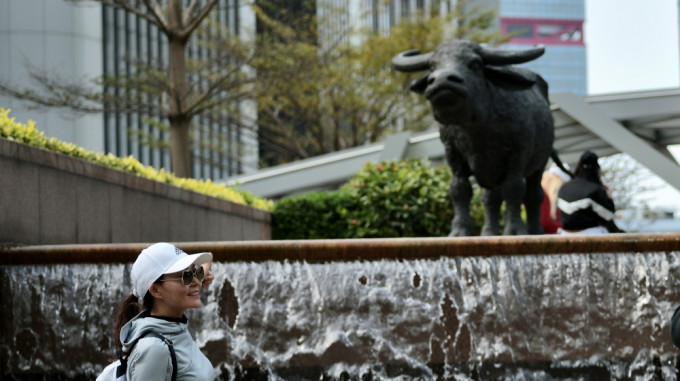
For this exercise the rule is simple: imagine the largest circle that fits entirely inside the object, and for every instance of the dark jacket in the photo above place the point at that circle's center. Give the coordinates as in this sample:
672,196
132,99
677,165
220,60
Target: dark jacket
584,204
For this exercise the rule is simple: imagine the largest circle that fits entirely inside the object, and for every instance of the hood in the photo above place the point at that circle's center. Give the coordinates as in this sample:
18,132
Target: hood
143,323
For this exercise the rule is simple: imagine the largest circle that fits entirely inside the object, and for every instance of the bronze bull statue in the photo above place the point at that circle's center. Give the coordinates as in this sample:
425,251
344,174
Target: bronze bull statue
496,125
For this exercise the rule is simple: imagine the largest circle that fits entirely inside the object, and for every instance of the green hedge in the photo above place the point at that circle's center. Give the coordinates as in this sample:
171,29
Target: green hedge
387,199
313,216
400,199
26,133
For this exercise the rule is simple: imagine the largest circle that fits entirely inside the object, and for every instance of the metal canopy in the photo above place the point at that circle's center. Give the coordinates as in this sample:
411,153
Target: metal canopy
641,124
650,117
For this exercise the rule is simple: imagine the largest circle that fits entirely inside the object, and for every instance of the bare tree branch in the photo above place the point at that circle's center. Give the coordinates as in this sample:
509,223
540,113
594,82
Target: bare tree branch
189,11
157,12
198,19
156,16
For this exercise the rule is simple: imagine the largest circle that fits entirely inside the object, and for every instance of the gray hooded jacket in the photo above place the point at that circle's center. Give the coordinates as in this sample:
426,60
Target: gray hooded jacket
150,358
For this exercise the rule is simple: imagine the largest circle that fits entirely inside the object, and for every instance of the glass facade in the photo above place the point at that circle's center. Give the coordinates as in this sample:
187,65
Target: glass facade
128,37
218,141
221,143
381,15
563,67
556,24
543,31
544,9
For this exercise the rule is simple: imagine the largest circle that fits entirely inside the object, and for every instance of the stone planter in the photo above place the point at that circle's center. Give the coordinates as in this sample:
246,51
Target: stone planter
51,198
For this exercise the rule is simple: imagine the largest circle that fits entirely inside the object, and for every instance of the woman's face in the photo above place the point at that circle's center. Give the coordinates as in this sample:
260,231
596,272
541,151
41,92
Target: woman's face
172,297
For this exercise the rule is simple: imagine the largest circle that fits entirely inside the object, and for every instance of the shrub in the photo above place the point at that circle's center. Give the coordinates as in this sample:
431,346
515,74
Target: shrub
28,134
316,215
400,199
405,198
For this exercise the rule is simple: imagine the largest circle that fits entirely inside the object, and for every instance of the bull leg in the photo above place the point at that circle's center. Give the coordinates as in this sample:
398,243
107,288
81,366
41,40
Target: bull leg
532,203
492,199
513,193
461,194
460,188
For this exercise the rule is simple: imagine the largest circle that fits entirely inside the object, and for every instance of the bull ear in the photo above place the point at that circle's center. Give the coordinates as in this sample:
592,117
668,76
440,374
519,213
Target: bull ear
510,77
493,56
411,60
419,85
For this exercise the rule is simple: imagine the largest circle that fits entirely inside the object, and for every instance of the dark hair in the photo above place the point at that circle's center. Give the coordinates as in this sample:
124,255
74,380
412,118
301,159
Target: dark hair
588,168
128,309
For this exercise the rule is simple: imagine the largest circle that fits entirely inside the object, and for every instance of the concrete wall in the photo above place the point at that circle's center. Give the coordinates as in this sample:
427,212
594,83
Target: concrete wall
50,198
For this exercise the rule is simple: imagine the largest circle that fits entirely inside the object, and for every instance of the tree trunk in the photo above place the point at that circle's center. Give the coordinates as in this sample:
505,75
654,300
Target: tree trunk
178,115
180,146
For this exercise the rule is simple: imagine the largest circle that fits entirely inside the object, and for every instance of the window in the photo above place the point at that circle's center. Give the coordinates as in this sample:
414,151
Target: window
543,31
521,30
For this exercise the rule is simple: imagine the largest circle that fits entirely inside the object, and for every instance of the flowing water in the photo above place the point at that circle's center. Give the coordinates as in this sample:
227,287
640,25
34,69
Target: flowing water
550,317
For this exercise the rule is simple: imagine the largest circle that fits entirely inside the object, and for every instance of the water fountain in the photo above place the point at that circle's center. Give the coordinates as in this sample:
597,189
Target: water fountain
552,308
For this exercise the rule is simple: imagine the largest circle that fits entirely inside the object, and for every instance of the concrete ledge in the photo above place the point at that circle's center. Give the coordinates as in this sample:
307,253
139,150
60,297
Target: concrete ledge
354,249
51,198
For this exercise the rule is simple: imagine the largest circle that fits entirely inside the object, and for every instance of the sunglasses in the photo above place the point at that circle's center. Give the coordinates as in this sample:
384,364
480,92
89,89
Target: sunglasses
188,276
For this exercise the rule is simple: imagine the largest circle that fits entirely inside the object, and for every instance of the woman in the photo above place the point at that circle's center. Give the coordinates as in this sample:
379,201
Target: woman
169,282
551,182
585,203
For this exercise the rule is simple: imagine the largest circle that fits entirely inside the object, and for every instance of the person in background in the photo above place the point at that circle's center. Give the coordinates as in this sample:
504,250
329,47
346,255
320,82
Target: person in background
585,204
168,281
551,182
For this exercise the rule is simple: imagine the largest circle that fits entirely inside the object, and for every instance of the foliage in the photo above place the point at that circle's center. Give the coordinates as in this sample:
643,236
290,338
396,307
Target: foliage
401,199
320,95
627,179
170,90
404,198
474,21
318,215
28,134
318,88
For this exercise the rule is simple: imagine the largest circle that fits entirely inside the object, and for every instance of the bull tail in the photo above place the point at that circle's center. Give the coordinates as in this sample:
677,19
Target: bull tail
559,163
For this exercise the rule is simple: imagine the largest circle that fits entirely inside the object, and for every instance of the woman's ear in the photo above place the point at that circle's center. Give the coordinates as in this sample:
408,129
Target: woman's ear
153,290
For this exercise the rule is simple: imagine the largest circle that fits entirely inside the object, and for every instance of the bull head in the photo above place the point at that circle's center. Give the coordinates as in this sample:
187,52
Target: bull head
412,60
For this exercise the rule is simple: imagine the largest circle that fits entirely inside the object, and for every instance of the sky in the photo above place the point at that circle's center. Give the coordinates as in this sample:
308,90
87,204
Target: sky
625,38
633,45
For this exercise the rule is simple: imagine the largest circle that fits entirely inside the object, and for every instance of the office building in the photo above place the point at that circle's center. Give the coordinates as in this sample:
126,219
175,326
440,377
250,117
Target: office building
76,42
556,24
85,40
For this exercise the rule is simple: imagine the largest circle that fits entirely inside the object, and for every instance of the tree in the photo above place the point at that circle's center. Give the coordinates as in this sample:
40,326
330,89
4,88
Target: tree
628,180
320,91
316,90
175,91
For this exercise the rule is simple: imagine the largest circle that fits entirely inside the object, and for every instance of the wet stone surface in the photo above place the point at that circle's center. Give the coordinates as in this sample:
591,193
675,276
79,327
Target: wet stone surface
562,316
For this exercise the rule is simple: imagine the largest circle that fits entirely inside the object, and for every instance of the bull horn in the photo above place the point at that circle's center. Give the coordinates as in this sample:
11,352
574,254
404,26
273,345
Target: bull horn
411,60
493,56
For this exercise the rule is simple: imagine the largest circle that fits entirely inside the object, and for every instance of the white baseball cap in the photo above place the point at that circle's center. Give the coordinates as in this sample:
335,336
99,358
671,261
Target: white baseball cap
158,259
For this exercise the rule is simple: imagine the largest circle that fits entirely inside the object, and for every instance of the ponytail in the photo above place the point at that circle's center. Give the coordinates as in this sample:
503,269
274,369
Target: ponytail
128,309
